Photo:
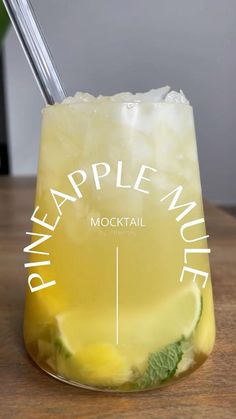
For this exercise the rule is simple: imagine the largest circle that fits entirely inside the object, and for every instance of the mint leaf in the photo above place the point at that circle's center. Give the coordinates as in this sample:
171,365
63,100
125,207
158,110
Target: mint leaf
61,349
161,366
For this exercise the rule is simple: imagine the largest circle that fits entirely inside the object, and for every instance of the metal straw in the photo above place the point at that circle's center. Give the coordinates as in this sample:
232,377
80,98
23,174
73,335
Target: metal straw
36,50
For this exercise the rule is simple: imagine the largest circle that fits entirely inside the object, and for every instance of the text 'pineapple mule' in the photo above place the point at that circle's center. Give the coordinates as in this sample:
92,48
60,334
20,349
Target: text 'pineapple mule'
119,318
60,198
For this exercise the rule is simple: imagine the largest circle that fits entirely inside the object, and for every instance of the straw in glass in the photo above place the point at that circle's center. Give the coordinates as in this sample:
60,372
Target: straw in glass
36,50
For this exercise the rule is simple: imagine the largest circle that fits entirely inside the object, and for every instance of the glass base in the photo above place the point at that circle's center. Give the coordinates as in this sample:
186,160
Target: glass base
201,360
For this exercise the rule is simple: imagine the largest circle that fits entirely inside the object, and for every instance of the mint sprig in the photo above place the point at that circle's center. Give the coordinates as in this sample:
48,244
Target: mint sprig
161,366
60,348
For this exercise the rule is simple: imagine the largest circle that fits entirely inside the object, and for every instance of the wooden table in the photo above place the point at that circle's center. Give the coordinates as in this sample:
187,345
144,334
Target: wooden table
27,392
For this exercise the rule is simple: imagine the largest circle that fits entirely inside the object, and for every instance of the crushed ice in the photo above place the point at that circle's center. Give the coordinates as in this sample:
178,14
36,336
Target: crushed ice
163,94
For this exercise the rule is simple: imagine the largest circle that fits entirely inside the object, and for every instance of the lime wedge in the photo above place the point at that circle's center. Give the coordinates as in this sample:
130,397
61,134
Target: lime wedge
154,328
90,338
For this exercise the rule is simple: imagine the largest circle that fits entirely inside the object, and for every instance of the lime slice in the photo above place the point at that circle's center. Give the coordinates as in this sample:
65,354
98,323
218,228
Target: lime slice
152,328
90,338
179,315
175,318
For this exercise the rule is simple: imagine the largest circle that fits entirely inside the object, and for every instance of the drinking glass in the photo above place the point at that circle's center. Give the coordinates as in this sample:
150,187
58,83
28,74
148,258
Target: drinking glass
119,294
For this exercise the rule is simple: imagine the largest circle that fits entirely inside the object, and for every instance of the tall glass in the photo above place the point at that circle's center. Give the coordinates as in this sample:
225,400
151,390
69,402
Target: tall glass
119,294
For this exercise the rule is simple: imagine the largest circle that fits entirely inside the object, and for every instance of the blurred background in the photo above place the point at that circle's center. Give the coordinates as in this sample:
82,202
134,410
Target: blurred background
107,46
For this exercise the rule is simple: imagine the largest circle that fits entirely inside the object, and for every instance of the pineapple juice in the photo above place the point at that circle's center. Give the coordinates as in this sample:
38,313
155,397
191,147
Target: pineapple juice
117,176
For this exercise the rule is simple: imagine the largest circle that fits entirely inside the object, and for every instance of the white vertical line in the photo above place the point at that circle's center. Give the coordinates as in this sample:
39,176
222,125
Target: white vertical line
117,295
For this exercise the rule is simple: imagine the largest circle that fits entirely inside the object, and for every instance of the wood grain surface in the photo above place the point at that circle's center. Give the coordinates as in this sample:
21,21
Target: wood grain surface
27,392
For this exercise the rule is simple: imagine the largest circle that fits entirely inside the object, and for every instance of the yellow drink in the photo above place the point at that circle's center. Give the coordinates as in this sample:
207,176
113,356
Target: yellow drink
122,310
